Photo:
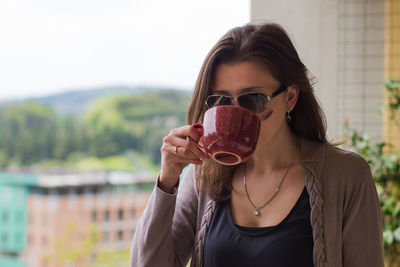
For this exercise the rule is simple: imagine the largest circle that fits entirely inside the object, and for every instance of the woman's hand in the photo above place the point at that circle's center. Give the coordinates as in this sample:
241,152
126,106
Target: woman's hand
176,153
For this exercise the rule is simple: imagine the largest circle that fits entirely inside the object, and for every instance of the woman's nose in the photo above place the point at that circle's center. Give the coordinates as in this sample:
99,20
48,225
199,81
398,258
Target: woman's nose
235,102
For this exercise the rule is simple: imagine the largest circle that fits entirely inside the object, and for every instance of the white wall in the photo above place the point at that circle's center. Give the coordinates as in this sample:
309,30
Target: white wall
318,29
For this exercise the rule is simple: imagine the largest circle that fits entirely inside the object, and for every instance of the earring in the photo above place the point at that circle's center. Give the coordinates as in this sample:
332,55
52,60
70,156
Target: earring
288,117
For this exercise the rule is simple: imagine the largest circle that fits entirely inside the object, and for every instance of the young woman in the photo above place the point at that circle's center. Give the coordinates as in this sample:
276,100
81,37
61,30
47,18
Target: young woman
298,201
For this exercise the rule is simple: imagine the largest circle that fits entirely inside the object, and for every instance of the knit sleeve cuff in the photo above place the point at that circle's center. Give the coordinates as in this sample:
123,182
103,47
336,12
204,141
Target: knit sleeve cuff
174,190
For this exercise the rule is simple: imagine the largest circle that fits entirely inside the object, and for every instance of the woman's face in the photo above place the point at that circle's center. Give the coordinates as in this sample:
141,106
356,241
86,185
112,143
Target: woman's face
236,79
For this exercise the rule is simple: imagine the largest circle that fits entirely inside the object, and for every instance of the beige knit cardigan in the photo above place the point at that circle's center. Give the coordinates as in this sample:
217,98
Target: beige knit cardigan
345,215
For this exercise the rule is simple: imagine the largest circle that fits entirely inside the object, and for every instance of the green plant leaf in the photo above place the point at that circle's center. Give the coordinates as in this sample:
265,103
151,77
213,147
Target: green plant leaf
396,209
396,234
388,237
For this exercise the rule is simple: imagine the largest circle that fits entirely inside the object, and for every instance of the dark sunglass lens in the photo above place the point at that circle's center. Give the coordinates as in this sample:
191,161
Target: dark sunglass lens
255,102
218,100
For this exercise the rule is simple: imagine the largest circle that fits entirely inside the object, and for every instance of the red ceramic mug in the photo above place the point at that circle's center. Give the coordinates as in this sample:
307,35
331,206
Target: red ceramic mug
229,134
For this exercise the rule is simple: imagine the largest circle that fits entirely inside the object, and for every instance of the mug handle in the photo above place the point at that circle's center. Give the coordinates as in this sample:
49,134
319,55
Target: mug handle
199,129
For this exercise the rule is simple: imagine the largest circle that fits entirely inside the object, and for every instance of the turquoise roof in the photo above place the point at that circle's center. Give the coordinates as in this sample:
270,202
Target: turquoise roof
18,179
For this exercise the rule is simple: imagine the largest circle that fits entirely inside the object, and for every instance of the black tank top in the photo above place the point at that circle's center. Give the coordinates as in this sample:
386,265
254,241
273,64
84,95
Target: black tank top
287,244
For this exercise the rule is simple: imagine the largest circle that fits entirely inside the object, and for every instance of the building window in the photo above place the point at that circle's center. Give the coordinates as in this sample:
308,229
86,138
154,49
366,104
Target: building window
94,216
30,218
18,238
94,190
30,239
133,214
106,237
44,219
120,235
4,237
93,256
107,216
19,216
121,215
5,216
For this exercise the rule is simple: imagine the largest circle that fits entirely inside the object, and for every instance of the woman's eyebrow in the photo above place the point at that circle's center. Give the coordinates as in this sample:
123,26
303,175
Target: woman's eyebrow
241,91
251,89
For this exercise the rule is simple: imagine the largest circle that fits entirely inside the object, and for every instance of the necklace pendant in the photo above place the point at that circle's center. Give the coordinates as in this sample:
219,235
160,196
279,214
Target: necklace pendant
256,212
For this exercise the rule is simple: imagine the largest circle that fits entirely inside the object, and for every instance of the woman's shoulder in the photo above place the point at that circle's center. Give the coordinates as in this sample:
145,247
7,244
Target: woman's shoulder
345,159
346,168
328,153
338,164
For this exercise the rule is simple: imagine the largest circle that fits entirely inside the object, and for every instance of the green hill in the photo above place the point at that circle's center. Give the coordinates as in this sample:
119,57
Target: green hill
77,101
105,123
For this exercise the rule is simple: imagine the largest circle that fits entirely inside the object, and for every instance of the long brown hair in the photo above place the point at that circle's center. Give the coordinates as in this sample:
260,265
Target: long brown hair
267,45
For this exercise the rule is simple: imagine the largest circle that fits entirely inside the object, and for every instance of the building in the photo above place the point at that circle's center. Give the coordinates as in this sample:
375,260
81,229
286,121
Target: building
352,47
68,219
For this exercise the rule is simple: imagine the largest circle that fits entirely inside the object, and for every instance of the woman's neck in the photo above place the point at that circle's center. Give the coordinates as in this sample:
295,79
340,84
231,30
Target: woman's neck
276,153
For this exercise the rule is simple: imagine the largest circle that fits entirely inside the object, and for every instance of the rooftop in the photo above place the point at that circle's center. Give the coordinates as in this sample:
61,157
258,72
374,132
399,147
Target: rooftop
75,179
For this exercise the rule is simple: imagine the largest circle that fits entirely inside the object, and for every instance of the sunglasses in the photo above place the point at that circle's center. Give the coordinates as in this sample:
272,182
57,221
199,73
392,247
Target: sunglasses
256,102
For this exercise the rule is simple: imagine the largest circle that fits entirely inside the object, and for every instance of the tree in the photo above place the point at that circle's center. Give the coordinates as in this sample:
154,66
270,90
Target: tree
136,122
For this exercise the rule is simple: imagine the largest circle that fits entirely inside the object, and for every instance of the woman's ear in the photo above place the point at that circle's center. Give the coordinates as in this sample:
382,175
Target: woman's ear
292,95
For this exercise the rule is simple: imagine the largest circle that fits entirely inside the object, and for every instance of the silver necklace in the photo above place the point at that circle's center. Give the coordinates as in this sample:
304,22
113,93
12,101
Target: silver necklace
257,210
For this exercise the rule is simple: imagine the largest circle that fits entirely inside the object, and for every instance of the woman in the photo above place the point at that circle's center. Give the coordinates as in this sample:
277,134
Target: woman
298,201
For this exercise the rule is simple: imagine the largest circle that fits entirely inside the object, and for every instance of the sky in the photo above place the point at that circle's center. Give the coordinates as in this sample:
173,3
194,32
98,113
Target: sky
51,46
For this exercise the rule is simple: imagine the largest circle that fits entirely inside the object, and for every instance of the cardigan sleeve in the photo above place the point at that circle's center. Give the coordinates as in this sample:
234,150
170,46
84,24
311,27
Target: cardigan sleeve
362,226
165,233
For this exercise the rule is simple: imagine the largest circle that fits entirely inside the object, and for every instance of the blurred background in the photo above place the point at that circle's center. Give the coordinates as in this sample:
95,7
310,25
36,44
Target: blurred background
89,88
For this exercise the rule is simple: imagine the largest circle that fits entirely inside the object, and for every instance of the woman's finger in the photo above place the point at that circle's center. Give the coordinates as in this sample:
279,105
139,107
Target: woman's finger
178,154
188,149
186,130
